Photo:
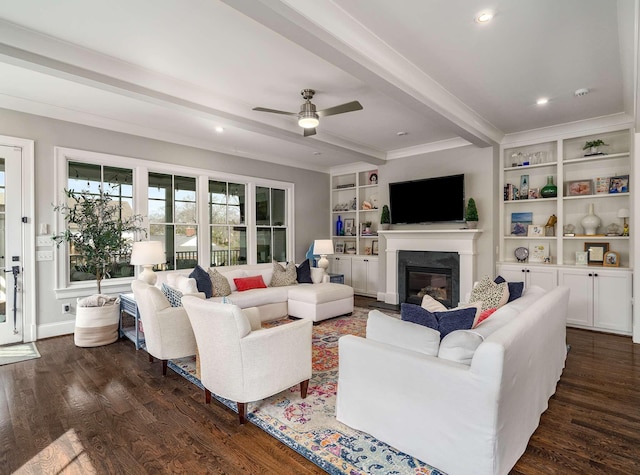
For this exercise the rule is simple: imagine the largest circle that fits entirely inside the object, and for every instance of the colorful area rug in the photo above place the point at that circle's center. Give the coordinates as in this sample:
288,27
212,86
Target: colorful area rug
309,426
16,353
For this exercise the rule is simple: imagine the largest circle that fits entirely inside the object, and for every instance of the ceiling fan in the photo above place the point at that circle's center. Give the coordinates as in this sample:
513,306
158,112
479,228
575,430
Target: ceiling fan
308,115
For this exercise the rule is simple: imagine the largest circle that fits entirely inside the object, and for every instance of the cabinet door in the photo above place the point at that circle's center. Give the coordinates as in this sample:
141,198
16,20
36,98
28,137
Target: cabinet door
359,275
341,265
372,277
512,273
580,284
612,301
545,278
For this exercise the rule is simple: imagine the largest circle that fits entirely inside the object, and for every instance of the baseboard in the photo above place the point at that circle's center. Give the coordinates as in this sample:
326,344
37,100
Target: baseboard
49,330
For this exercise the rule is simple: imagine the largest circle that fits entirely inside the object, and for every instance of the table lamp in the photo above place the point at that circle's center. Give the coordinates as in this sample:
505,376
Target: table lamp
147,254
323,247
624,214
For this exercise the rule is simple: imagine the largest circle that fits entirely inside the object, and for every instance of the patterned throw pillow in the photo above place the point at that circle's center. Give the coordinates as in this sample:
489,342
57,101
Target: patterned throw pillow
202,281
491,295
283,277
515,288
221,287
174,296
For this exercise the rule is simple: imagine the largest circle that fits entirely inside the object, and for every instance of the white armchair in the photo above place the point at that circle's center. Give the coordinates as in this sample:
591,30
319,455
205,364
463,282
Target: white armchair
245,365
167,330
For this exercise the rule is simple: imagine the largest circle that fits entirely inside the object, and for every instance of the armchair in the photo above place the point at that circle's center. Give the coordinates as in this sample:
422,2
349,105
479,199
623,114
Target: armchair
245,365
167,329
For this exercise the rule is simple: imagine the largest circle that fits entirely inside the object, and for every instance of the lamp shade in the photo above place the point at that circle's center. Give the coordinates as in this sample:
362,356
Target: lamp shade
147,253
623,213
323,247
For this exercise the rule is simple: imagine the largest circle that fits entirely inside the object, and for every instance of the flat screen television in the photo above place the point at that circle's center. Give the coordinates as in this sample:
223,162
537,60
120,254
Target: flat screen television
430,200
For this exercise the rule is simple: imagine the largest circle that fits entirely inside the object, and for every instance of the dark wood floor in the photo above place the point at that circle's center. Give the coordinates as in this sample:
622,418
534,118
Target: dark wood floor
108,410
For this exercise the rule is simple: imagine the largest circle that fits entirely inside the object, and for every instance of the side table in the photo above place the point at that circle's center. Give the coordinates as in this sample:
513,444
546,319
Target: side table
128,306
336,278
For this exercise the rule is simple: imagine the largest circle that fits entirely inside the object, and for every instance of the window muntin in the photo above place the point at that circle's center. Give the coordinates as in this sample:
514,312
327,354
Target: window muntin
172,211
227,205
118,183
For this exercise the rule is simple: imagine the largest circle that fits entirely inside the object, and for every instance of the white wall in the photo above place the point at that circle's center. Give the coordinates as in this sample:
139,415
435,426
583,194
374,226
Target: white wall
311,188
481,182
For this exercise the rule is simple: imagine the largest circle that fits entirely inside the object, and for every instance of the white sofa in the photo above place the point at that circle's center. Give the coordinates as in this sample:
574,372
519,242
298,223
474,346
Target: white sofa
316,302
470,416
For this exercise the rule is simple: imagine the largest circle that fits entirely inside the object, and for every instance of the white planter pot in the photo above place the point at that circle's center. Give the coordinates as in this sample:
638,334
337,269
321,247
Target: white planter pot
97,326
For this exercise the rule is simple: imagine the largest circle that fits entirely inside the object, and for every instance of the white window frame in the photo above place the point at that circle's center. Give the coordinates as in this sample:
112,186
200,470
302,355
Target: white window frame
65,289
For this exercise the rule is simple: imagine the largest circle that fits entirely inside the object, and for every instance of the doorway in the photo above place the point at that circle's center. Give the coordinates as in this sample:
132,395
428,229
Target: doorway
16,228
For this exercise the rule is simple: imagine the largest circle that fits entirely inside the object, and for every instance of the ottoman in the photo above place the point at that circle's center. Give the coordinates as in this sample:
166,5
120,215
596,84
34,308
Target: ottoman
318,302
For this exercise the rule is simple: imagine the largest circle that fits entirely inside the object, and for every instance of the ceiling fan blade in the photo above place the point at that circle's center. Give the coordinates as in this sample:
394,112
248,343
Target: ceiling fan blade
341,109
308,132
274,111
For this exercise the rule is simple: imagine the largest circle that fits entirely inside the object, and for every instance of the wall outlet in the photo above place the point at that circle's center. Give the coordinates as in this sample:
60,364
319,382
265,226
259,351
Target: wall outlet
66,308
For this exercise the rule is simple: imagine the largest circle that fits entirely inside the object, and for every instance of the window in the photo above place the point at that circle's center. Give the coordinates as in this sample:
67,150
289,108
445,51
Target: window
227,223
173,218
118,183
271,229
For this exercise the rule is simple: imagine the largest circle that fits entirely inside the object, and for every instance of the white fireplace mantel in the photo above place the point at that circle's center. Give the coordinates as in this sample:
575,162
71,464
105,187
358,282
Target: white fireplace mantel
462,241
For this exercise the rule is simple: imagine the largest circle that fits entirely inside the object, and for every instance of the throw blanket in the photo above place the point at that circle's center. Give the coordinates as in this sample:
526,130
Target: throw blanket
98,300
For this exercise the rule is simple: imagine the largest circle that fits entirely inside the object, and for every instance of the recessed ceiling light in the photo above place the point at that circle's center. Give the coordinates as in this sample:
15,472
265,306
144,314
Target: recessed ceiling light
402,133
484,17
542,101
219,129
581,92
317,153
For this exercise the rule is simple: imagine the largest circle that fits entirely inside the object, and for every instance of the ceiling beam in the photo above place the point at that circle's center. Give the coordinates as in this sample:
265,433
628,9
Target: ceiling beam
329,32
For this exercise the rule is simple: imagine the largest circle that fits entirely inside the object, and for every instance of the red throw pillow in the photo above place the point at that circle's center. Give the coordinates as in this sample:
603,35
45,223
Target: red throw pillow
248,283
484,315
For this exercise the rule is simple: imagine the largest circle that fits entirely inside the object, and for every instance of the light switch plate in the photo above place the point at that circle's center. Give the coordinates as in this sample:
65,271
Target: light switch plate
44,255
44,240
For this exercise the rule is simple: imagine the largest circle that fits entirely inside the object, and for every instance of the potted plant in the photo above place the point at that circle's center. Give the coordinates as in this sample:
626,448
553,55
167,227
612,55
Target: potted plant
471,215
593,147
97,230
385,219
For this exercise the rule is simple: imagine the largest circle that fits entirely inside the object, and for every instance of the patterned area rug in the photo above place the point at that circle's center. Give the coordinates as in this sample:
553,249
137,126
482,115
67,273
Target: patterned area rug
309,425
16,353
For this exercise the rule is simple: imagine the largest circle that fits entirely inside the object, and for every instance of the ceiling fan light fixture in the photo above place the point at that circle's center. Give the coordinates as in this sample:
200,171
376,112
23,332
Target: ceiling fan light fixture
308,121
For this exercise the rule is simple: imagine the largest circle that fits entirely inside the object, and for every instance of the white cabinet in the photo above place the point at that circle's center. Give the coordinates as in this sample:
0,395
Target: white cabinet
364,276
341,265
599,298
542,276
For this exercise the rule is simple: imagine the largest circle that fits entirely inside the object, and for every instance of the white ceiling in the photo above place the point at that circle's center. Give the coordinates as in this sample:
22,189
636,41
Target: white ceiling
174,70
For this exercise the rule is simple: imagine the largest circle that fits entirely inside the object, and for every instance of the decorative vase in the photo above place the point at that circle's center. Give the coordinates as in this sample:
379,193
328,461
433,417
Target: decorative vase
339,227
591,222
549,190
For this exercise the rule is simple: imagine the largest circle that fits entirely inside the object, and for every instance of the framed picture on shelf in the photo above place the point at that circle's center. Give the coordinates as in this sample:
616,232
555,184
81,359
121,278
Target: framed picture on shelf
349,227
534,193
350,248
579,187
339,248
611,259
539,252
374,247
596,251
535,230
582,258
602,185
373,177
619,184
520,223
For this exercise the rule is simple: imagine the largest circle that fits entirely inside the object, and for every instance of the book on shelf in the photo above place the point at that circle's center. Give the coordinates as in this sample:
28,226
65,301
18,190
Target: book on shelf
511,192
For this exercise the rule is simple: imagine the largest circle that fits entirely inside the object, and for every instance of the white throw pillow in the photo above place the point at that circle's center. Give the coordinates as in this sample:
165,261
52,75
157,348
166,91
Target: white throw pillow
317,274
185,284
432,305
234,274
393,331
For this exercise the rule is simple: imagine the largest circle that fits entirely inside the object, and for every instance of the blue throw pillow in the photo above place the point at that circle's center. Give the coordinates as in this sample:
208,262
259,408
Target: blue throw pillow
416,314
515,288
303,273
203,281
456,319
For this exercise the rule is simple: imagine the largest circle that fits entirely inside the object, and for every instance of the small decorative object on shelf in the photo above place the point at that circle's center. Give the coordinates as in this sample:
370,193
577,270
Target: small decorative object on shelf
374,247
593,147
596,251
348,227
339,230
534,193
582,258
520,223
579,188
524,187
549,190
539,253
471,214
373,177
366,229
521,253
591,222
385,218
550,227
611,259
613,230
602,185
569,230
619,184
535,230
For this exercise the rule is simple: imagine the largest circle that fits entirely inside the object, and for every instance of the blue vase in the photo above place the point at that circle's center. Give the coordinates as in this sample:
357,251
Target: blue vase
339,227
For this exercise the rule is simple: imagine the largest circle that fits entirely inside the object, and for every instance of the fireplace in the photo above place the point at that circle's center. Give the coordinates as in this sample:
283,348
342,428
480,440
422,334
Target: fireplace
429,272
421,281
